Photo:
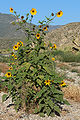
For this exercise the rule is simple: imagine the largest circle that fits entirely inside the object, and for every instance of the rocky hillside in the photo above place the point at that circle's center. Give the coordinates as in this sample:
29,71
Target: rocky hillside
64,35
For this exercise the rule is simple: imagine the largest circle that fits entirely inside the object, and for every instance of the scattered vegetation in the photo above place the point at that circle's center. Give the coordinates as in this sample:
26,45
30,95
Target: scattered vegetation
67,56
74,70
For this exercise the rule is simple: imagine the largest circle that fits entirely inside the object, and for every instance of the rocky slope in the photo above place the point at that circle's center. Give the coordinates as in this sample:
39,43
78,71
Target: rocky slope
64,35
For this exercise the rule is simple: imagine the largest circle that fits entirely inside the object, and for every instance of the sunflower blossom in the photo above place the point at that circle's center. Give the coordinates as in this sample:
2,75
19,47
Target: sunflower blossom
45,28
53,59
59,14
62,83
21,43
37,35
15,47
54,46
33,11
47,82
10,68
11,10
8,74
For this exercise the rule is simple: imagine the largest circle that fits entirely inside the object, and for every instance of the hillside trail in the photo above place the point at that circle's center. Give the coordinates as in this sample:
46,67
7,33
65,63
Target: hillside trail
71,71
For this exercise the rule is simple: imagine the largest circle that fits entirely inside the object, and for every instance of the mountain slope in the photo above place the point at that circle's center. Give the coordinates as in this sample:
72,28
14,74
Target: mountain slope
64,35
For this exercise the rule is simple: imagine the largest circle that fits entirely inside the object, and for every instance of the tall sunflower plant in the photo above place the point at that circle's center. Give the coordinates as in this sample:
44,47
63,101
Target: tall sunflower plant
31,80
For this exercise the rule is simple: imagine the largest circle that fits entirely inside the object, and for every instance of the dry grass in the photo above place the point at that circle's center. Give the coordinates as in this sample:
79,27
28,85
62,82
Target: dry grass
4,67
72,92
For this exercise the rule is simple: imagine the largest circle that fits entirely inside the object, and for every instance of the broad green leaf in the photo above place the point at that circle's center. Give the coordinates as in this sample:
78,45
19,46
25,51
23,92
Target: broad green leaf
27,65
66,102
41,106
36,110
42,114
56,108
52,89
48,110
51,104
41,100
52,114
57,91
40,92
46,93
48,70
45,108
41,76
39,81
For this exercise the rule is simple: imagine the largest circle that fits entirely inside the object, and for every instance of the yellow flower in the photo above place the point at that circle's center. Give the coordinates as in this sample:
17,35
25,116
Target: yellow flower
10,68
44,44
15,47
54,46
45,29
53,59
37,35
8,74
62,84
40,26
50,47
33,11
12,54
21,43
12,63
59,14
11,10
18,44
47,82
15,57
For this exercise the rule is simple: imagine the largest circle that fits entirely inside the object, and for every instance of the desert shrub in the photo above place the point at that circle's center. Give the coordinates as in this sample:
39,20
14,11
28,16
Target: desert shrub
3,59
31,80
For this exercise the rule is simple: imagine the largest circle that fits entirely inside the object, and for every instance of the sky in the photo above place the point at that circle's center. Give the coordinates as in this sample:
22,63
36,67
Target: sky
70,8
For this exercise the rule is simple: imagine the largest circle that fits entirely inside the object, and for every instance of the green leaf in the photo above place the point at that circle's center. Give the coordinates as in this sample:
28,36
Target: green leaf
52,89
48,110
42,114
41,56
51,104
27,65
41,76
36,110
46,93
43,90
39,81
57,91
48,70
4,97
56,108
52,114
66,102
41,100
45,108
3,77
41,106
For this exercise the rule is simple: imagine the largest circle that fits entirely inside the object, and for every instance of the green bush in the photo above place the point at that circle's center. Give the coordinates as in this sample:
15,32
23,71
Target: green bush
31,79
66,56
